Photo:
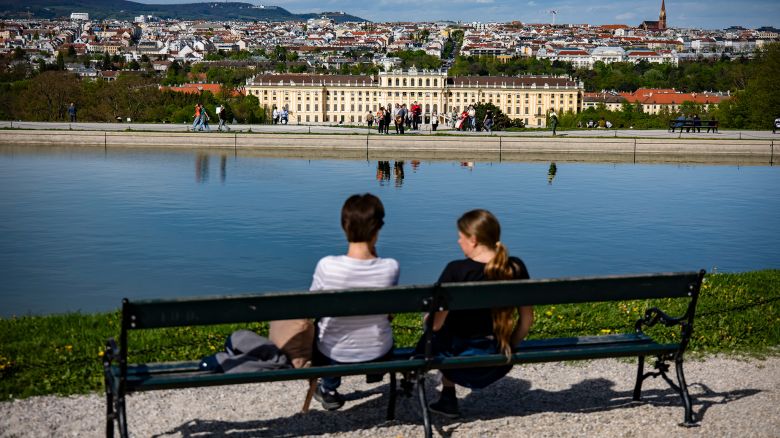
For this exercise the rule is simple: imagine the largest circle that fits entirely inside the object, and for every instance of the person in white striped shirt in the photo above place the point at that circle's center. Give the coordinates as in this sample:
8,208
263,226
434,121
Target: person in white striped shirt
354,339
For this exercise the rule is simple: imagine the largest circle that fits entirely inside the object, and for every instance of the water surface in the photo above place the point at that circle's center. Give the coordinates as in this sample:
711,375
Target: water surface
82,228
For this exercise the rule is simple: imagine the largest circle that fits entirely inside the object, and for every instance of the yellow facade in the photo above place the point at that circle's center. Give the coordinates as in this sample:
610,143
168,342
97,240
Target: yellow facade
330,99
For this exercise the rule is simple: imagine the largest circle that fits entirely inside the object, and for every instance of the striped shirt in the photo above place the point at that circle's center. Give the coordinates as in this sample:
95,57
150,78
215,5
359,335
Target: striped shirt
354,338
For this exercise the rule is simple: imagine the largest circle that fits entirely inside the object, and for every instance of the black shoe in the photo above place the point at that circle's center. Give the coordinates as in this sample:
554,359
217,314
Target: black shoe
374,378
331,400
447,406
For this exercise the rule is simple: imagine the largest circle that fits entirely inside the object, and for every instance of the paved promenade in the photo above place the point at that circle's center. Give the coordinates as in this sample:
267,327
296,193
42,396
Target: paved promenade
425,130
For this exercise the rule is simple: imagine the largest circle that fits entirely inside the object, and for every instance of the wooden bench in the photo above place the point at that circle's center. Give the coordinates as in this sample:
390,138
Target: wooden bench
690,125
122,378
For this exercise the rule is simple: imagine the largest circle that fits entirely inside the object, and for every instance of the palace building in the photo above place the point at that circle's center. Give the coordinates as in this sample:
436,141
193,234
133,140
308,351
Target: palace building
328,99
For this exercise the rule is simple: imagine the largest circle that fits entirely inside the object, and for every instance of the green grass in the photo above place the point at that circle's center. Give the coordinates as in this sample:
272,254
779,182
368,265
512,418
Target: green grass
60,354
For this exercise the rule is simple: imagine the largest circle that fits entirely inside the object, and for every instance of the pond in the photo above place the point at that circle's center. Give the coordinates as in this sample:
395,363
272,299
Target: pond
82,228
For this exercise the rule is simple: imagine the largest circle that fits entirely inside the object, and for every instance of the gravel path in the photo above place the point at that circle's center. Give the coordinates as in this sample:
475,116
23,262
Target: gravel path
733,397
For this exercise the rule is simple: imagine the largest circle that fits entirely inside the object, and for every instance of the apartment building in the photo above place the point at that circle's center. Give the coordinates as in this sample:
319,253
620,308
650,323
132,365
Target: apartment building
313,99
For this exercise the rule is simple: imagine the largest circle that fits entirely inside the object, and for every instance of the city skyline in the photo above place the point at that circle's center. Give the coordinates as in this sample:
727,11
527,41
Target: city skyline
715,14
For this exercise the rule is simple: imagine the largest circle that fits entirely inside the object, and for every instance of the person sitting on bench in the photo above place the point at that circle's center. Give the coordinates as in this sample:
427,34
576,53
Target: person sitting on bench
353,339
478,331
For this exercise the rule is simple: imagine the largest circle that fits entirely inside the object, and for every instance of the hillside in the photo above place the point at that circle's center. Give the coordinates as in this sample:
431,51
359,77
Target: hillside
124,10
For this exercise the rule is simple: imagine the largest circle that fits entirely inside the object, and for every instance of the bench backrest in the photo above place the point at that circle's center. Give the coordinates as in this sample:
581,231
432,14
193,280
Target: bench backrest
403,299
457,296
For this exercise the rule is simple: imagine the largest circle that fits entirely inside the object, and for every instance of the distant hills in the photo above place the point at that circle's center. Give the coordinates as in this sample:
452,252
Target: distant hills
127,10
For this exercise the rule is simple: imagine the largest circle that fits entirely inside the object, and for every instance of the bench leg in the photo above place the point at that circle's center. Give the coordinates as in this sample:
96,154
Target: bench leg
683,387
109,413
424,405
640,377
309,395
391,398
121,415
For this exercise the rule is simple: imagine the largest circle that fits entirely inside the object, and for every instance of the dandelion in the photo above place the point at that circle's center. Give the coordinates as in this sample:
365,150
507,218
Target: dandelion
69,348
606,331
548,313
101,353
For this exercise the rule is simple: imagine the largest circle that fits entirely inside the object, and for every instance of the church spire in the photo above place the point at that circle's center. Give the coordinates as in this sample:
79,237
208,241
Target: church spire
662,17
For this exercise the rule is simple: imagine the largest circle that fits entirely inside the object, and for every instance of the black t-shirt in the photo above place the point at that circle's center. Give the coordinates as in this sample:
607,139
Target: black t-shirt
476,322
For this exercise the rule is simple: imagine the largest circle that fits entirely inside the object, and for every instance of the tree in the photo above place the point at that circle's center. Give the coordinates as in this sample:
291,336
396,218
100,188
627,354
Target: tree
47,96
280,53
60,61
18,53
500,120
106,61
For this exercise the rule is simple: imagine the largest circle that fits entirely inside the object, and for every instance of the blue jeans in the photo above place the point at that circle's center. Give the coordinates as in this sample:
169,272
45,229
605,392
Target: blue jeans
329,384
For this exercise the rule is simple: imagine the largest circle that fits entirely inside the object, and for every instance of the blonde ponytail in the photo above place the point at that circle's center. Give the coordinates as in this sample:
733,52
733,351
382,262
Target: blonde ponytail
499,268
485,227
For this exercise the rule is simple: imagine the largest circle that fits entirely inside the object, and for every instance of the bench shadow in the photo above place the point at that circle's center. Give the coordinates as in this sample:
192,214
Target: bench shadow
590,395
367,409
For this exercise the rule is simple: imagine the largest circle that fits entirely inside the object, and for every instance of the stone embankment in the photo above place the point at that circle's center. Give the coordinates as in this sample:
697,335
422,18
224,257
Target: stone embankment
461,147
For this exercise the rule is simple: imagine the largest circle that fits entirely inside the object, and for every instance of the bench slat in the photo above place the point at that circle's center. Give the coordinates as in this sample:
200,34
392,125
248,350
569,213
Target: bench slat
558,354
568,290
584,340
148,382
274,306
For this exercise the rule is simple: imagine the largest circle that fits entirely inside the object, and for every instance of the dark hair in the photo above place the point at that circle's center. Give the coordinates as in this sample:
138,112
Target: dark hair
362,216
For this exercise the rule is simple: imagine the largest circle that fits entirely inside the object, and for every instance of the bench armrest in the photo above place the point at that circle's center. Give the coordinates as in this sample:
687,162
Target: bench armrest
655,315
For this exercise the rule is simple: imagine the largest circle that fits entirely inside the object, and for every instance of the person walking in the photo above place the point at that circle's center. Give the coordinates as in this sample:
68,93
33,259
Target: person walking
72,112
488,122
397,119
196,123
553,121
222,114
472,113
275,116
204,117
370,120
388,117
434,122
380,120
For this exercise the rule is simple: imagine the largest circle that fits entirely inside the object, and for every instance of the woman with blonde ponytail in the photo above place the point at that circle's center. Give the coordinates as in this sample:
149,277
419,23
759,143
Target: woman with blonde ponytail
478,331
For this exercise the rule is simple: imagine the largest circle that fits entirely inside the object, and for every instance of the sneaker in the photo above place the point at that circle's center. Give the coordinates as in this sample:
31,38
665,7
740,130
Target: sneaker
331,400
446,406
374,378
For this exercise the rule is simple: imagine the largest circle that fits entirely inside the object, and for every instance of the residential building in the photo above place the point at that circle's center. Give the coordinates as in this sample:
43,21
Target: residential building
654,100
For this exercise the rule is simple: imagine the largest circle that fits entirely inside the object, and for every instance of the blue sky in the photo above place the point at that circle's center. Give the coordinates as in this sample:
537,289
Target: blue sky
712,14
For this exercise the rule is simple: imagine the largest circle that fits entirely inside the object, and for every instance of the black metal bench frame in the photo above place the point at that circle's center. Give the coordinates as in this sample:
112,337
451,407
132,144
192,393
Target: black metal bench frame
122,378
